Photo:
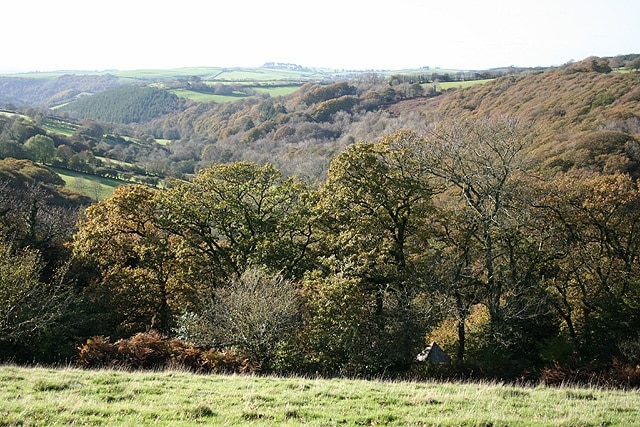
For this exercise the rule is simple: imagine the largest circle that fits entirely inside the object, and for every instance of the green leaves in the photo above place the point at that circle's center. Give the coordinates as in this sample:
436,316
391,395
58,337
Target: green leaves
29,308
41,148
376,197
405,233
239,214
134,258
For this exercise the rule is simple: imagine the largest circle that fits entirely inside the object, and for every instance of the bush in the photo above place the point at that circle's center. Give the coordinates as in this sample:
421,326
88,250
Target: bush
616,375
187,356
229,361
143,351
151,350
256,313
97,352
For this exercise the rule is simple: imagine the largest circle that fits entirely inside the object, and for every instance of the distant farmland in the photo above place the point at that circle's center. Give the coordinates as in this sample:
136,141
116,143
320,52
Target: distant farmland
275,90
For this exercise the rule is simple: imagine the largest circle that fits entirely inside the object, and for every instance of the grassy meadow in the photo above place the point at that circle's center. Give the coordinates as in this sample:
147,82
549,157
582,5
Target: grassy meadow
60,127
278,90
210,97
67,396
96,187
461,85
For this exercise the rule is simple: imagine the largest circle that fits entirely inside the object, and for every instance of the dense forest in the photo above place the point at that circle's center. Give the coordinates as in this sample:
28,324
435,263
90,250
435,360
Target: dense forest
340,229
141,104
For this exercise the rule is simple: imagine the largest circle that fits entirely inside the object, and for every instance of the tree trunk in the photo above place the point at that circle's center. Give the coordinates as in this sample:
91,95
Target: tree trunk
462,332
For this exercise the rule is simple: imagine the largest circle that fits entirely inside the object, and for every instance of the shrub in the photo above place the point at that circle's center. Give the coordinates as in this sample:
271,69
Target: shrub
97,352
143,351
187,356
151,350
256,313
229,361
615,375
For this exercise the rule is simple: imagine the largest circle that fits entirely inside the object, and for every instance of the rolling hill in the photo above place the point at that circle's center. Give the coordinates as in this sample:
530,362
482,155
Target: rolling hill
586,114
584,117
408,239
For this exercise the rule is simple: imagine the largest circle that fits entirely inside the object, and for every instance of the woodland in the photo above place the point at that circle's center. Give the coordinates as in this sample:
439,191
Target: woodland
337,230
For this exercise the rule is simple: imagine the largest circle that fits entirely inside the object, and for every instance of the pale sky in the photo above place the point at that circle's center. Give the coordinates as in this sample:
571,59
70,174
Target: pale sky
44,35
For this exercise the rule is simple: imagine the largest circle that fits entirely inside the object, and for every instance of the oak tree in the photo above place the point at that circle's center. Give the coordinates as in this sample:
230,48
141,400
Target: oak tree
594,280
484,163
133,257
232,216
375,200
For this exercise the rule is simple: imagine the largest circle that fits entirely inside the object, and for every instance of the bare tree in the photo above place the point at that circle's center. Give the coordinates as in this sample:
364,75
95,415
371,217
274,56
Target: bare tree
256,312
482,162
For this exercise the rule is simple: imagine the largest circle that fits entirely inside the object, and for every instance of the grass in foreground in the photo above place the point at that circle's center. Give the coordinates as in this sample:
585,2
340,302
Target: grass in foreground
39,397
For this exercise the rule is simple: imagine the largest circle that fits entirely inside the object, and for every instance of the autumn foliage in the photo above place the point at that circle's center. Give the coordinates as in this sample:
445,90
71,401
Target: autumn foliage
151,350
506,227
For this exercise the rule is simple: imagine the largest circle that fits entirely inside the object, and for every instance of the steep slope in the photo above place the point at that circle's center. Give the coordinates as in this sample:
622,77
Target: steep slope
584,118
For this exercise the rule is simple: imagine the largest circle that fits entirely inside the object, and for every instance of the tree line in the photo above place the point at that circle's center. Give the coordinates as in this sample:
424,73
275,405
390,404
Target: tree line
457,235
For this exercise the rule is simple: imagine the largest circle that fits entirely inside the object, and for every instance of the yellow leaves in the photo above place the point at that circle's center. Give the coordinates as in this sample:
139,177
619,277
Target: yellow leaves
476,324
116,225
610,192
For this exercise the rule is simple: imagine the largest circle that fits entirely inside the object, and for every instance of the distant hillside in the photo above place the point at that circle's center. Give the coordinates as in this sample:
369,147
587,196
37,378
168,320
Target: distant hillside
51,91
298,133
586,115
55,88
125,104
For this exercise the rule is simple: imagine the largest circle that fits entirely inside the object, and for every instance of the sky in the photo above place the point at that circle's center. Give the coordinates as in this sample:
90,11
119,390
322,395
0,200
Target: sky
46,35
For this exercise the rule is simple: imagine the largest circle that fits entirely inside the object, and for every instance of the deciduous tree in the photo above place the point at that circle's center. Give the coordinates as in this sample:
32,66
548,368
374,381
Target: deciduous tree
594,280
134,259
41,148
29,307
258,313
232,216
484,161
375,200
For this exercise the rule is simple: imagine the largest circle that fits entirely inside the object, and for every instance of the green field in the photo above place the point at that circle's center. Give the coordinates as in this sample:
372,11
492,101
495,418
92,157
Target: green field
274,81
210,97
56,397
233,74
278,90
59,126
205,97
96,187
237,74
160,74
461,85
